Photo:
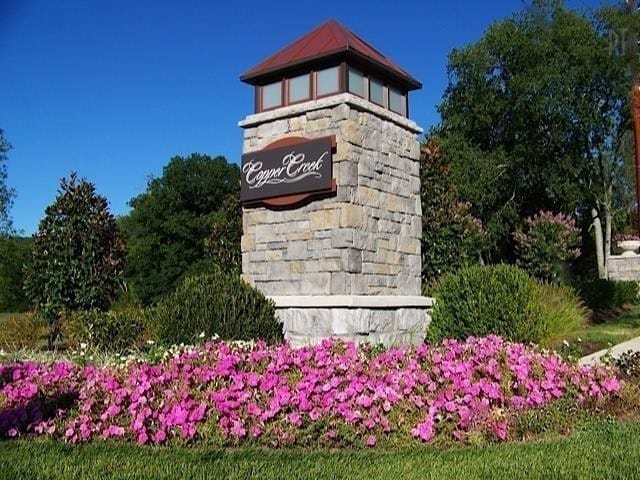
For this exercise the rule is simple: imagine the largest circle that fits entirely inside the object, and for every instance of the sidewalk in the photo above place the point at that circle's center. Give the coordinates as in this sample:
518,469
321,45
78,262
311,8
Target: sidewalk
616,351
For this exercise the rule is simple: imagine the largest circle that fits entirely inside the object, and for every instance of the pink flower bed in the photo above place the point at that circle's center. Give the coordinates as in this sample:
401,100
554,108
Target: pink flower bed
331,394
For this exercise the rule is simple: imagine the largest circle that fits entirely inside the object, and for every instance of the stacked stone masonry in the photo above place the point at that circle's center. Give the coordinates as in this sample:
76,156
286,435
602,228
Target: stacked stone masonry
365,240
624,268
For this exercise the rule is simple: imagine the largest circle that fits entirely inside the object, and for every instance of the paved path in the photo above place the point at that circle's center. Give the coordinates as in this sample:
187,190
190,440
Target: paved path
616,351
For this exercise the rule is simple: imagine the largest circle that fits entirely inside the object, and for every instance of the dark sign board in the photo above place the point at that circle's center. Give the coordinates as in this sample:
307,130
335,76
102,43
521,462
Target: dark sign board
303,167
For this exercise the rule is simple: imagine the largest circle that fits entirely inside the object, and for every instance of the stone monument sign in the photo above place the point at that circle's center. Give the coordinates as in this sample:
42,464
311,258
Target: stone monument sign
331,192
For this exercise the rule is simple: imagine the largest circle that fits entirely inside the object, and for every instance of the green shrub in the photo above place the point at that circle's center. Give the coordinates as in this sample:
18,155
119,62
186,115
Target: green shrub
23,331
111,331
479,300
215,303
608,294
563,311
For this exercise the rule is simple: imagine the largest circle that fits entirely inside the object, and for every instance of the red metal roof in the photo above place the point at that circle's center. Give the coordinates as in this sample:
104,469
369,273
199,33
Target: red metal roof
330,38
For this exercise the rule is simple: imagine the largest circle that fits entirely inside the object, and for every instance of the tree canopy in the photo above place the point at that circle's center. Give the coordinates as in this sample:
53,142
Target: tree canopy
170,223
6,193
535,117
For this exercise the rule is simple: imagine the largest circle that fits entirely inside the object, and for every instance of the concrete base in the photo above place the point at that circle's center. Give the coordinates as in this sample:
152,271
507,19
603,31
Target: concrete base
387,320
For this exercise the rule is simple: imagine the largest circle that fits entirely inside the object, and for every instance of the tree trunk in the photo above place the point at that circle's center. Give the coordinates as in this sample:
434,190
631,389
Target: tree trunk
600,257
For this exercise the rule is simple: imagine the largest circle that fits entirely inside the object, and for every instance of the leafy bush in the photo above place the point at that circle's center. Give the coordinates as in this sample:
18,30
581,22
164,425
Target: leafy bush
608,294
547,242
112,331
451,236
479,300
23,330
223,245
14,255
215,303
563,311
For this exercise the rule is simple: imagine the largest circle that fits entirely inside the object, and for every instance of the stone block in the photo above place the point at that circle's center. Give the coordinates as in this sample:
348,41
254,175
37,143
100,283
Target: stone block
329,265
273,255
340,283
368,196
352,216
324,219
248,243
342,238
409,245
352,260
265,233
297,250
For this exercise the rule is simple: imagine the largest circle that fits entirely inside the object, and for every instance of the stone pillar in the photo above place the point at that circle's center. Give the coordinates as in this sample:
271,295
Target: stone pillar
347,266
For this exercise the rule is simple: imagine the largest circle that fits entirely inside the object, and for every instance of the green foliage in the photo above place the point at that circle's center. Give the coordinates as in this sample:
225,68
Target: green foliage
14,255
78,258
535,118
563,312
451,237
6,193
506,301
223,245
216,304
110,331
479,300
546,244
23,331
608,294
169,224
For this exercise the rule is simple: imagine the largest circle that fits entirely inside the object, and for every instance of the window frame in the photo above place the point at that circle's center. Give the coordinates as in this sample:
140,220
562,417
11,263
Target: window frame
309,93
383,86
348,89
403,95
340,89
282,96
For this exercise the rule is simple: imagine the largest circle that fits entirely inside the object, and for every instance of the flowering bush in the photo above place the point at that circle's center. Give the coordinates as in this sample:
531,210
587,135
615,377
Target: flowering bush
547,242
333,394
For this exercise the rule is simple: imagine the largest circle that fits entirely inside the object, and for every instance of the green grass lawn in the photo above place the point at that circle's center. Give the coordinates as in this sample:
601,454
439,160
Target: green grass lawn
599,451
613,331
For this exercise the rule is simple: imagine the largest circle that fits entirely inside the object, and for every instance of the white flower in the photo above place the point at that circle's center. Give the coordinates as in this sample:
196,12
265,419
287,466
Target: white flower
83,346
150,342
201,335
566,344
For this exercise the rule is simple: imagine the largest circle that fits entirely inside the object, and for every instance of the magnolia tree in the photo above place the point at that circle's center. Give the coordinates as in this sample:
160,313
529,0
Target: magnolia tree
78,257
546,243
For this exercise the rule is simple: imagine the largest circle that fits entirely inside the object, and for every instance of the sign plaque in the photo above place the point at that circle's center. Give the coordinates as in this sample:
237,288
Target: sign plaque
289,170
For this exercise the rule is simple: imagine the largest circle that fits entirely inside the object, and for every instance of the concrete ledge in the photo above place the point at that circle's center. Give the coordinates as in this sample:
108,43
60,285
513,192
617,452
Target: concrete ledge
328,102
351,301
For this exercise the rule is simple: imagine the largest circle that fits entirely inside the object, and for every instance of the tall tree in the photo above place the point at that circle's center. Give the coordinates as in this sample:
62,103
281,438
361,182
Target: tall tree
170,223
535,118
78,257
6,193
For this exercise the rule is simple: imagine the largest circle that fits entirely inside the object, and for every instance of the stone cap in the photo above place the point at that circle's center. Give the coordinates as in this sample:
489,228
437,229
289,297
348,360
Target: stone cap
328,102
352,301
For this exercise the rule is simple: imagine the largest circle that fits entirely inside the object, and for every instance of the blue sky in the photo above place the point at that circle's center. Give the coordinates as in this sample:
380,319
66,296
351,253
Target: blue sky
113,89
